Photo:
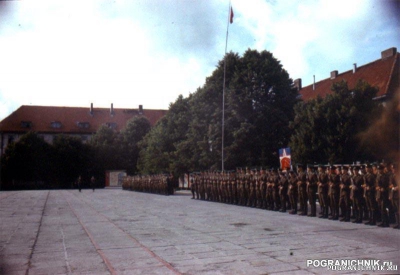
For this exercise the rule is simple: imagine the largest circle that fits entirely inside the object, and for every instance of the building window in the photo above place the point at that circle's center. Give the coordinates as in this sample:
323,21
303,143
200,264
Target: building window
83,125
111,125
26,124
84,138
56,124
11,139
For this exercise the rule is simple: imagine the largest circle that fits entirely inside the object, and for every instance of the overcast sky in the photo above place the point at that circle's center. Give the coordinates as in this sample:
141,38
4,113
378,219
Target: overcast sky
73,53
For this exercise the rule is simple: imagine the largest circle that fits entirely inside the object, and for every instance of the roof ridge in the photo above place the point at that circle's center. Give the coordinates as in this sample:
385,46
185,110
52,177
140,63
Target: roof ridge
358,67
80,107
391,72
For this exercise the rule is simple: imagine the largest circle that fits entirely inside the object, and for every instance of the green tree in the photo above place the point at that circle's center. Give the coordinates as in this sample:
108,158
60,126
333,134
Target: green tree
136,128
71,159
26,163
259,103
107,153
327,130
159,146
260,106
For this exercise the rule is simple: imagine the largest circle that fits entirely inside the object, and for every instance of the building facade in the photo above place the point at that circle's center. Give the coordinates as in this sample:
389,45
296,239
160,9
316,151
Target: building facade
49,121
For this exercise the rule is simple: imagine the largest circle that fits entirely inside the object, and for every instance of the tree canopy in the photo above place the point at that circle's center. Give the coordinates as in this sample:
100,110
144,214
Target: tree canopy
328,130
259,101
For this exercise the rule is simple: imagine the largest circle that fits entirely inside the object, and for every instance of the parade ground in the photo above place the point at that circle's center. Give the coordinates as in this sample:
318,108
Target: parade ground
111,231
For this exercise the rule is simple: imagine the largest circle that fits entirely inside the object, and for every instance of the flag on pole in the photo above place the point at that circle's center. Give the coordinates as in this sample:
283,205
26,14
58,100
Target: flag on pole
285,158
231,17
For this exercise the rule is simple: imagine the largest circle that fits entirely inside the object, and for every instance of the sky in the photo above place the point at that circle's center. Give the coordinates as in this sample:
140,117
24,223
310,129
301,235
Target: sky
148,52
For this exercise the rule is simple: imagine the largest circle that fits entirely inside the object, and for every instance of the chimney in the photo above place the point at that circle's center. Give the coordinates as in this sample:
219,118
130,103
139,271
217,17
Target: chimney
140,109
91,109
354,68
112,110
388,53
297,84
313,86
334,74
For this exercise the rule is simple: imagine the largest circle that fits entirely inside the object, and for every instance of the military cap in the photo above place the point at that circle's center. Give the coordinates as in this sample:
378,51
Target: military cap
368,165
381,166
345,167
332,167
356,167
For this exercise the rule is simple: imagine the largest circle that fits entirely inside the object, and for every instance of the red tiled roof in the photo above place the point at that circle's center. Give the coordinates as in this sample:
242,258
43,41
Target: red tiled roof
41,118
379,73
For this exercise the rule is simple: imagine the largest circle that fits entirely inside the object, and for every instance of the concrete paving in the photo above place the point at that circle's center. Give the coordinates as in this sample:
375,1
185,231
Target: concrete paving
121,232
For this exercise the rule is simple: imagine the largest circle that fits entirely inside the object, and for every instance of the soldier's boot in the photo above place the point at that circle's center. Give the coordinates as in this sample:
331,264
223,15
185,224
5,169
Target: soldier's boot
289,205
326,213
343,211
392,215
347,215
313,210
294,209
366,213
373,218
378,216
356,213
359,217
369,215
397,224
322,213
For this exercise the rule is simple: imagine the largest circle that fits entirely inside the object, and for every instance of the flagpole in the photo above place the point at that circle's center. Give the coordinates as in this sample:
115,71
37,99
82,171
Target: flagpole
223,86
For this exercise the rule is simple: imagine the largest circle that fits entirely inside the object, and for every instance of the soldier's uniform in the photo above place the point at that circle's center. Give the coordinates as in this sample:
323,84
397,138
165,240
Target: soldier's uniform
275,186
356,195
252,190
258,190
323,187
270,190
302,186
192,186
246,182
382,195
369,195
312,188
263,189
283,190
293,192
334,195
394,195
202,188
344,201
232,179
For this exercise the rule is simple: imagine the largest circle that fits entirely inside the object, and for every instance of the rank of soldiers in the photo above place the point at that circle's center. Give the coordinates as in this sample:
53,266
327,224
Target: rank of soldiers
157,184
359,192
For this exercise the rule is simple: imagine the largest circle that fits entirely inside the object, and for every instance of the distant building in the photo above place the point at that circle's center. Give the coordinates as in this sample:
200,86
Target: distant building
383,73
81,122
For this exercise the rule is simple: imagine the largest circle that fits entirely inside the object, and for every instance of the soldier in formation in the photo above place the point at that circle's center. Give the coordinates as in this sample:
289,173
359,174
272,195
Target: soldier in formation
358,192
157,184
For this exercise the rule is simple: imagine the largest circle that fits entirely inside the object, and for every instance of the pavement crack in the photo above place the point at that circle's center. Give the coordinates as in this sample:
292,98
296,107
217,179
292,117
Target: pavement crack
37,234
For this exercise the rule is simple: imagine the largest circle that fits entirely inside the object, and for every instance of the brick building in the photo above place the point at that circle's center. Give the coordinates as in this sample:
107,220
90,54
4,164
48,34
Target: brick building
48,121
383,73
